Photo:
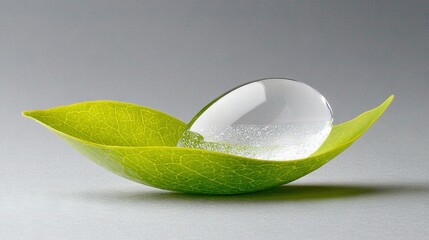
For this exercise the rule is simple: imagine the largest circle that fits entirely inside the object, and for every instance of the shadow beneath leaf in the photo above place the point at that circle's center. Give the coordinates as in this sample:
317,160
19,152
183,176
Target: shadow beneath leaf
301,192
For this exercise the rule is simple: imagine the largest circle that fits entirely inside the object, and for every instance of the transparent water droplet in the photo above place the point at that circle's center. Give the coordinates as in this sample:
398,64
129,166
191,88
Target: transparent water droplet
273,119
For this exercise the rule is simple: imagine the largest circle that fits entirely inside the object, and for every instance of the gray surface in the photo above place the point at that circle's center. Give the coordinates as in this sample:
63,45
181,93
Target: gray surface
176,56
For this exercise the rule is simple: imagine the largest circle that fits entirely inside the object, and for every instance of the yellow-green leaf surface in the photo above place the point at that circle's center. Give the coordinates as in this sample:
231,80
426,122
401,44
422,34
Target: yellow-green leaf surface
138,143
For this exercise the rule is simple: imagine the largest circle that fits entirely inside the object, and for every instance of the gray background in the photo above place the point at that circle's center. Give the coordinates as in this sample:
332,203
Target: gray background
176,56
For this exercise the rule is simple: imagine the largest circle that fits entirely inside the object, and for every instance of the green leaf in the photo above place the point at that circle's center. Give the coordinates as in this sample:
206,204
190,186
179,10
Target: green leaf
138,143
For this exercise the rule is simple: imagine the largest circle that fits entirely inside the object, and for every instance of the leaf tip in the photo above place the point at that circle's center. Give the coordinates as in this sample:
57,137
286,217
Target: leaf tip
28,114
388,100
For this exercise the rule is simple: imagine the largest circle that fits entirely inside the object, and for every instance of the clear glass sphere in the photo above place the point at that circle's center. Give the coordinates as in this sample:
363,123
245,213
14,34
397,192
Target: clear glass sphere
272,119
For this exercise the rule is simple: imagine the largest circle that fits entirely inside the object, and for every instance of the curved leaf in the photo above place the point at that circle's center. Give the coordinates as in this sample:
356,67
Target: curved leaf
112,123
139,143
